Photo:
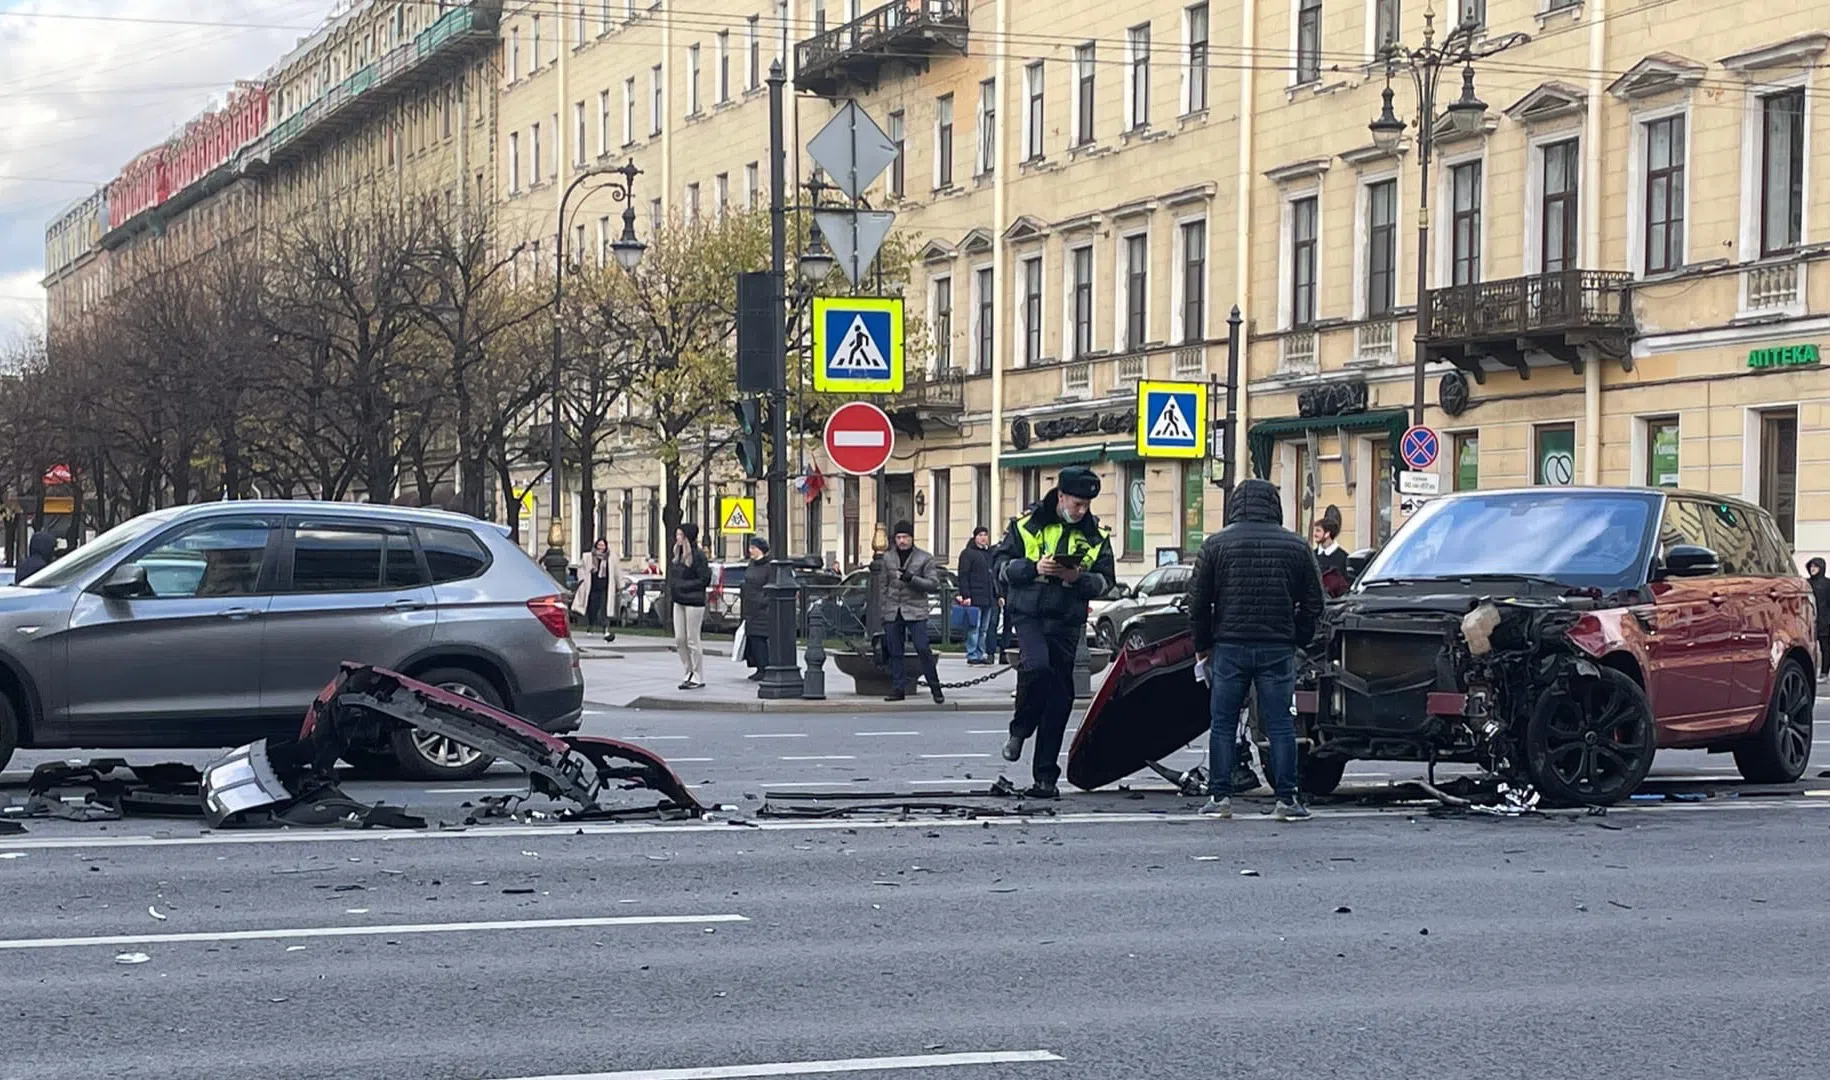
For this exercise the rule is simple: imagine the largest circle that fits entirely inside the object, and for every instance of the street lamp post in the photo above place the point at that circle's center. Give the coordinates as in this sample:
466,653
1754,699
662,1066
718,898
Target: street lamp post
1465,114
628,252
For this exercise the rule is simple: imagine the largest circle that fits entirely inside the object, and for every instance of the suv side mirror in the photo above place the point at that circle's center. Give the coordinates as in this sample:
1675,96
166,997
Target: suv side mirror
1119,591
1690,560
1356,562
126,581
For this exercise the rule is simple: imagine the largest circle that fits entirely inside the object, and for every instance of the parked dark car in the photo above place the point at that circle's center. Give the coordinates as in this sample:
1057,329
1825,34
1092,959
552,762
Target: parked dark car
1555,636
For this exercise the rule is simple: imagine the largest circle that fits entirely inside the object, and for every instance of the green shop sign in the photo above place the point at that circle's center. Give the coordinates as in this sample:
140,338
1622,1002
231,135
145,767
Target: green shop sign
1783,356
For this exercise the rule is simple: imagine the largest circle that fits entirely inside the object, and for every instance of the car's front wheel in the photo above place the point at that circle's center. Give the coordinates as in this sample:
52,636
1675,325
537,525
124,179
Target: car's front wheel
1780,750
1104,636
1591,742
427,755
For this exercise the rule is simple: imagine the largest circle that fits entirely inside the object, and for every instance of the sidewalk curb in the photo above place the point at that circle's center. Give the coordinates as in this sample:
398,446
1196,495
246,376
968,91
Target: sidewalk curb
703,705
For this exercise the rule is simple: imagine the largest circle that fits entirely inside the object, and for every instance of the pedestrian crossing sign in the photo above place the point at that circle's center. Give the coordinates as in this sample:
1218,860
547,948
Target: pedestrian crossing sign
736,514
1172,419
857,343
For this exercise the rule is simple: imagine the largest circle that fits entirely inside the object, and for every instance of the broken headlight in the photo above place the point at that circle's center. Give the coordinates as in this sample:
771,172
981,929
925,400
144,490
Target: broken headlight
1477,629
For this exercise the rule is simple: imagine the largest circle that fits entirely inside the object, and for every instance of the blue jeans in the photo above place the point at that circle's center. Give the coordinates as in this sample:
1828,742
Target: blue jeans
978,633
1233,670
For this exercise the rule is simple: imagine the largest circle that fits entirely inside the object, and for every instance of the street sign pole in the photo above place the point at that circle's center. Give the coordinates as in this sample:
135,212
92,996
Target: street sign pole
1229,470
782,674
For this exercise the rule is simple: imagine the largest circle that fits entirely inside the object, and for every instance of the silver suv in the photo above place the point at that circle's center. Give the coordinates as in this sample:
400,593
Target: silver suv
214,625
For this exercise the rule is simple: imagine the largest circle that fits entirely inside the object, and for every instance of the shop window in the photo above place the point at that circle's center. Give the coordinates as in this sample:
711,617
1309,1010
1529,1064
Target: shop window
1382,492
1554,455
1661,464
1134,509
1467,446
1779,469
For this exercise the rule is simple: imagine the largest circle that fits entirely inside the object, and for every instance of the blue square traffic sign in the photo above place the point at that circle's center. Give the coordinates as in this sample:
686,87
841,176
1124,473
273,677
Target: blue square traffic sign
1172,419
859,343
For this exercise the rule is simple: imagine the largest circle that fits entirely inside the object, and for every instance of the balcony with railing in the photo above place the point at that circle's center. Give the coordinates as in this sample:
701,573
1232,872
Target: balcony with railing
1565,317
854,54
928,398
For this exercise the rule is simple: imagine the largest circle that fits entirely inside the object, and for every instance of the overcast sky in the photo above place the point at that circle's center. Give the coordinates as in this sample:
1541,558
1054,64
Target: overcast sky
87,84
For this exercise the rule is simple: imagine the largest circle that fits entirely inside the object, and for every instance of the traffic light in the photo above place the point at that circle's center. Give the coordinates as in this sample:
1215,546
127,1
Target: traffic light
749,437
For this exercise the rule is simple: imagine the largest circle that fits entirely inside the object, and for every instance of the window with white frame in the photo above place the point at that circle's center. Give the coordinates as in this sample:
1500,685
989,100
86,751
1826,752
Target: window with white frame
1032,310
692,202
1085,70
514,54
1033,148
1381,266
943,141
899,137
1192,239
553,173
629,111
1080,299
603,16
578,28
1136,278
753,43
988,127
724,66
721,191
1194,71
1304,220
781,42
536,22
514,162
1473,12
1137,81
656,107
1465,223
940,308
1308,41
533,154
752,185
1782,171
578,133
1664,198
579,251
984,322
692,80
1559,214
603,122
1386,18
657,218
603,240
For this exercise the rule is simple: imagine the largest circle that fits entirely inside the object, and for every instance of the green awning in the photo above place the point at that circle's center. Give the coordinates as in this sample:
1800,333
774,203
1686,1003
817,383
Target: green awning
1064,455
1260,437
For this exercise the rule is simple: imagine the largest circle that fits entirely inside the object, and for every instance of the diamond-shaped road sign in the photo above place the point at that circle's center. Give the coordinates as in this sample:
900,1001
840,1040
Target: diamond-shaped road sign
854,236
852,149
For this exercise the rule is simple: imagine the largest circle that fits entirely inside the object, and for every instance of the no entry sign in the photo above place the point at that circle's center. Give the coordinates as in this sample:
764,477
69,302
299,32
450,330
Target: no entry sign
859,438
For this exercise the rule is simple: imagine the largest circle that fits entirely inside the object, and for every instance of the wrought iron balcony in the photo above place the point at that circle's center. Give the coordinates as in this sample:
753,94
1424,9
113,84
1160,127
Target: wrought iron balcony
928,397
855,53
1566,315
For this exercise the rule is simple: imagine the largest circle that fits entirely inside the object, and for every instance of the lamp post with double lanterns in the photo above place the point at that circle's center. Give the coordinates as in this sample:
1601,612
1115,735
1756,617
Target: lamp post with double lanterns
627,250
1465,115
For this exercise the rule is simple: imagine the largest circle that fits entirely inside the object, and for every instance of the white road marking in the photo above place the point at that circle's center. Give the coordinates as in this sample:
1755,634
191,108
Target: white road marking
700,760
808,783
869,734
659,738
930,783
777,735
291,933
816,1068
476,790
947,756
819,757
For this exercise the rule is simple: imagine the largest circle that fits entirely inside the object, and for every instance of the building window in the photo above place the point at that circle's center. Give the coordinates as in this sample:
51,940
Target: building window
579,28
1033,112
1782,171
752,185
1137,289
988,127
533,154
514,54
625,513
1194,282
1085,68
1382,482
1381,249
1308,40
692,202
1559,213
655,87
656,218
753,67
1137,86
1083,301
1386,16
1031,487
981,500
943,512
724,66
692,80
1302,261
1660,469
1664,194
1465,222
1194,99
943,141
1032,310
1554,455
721,190
899,135
603,123
536,21
987,324
1132,508
942,303
578,133
1779,469
514,162
603,240
1467,445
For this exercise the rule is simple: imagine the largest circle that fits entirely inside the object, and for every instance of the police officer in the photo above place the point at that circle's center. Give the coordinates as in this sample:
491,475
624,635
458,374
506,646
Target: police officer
1052,561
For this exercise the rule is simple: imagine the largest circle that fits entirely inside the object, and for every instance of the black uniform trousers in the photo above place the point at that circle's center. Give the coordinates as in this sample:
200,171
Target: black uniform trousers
1045,690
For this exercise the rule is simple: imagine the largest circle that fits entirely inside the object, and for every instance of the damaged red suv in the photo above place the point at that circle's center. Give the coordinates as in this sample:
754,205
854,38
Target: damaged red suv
1555,636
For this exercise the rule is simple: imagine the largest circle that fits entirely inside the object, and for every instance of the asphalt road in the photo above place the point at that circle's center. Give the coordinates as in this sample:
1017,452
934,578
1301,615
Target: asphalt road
1675,941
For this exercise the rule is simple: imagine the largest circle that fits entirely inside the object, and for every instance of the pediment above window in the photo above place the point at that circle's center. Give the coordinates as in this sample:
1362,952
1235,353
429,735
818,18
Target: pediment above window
1657,74
1549,101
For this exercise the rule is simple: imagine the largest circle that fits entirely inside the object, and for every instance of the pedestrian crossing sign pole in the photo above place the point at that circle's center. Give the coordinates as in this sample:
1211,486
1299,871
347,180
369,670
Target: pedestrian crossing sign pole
736,514
1172,419
857,344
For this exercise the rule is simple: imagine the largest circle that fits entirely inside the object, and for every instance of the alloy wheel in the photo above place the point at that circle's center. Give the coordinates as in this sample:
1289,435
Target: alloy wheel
441,750
1792,708
1595,739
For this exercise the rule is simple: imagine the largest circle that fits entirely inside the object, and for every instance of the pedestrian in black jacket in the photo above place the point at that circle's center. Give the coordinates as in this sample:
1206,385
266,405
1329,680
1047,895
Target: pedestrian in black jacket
688,576
754,604
1254,600
39,553
1820,590
979,593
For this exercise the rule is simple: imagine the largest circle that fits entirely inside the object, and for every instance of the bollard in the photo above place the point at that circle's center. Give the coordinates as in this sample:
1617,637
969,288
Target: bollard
813,681
1083,670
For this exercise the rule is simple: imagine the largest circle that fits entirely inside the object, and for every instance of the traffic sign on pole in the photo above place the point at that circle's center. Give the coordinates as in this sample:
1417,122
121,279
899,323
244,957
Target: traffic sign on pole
736,514
1172,419
857,344
852,149
1418,447
859,438
855,237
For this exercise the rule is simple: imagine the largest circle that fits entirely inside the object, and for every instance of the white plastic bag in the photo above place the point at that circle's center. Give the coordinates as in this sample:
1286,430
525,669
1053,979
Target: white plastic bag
738,640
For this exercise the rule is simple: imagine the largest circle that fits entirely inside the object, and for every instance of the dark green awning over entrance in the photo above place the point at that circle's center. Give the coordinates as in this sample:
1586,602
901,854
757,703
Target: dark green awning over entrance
1389,422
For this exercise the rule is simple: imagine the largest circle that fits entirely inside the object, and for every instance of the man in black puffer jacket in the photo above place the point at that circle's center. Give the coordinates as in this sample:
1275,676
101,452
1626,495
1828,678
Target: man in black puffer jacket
1254,600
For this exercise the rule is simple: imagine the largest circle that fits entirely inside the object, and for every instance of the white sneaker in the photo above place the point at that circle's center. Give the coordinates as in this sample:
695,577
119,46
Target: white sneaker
1218,808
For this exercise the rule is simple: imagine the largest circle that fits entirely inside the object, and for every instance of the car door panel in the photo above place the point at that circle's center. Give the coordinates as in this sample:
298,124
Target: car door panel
1749,585
1690,648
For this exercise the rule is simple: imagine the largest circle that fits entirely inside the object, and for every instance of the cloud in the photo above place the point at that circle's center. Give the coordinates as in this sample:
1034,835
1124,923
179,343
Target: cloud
79,97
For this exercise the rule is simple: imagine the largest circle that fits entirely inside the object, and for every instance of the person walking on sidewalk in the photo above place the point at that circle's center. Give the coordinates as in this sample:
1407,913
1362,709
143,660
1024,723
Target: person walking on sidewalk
597,587
909,579
1820,590
1254,600
1053,561
754,604
688,576
979,596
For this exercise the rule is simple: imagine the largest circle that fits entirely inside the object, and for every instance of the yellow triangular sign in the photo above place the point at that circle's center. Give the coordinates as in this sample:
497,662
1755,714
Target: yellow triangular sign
739,515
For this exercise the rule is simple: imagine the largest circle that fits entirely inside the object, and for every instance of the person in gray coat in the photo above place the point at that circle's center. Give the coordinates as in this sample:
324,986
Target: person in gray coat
909,578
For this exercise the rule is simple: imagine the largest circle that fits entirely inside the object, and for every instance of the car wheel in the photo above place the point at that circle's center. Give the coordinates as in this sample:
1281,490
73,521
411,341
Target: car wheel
1780,750
426,755
9,731
1104,636
1591,742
